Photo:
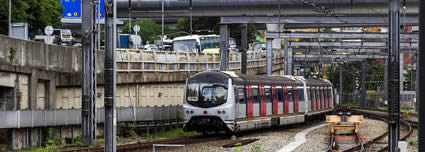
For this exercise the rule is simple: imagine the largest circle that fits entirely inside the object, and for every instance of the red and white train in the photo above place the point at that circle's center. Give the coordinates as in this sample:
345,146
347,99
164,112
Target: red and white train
226,101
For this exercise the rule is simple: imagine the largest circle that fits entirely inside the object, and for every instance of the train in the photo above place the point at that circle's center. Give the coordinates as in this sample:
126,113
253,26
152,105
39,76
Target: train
231,102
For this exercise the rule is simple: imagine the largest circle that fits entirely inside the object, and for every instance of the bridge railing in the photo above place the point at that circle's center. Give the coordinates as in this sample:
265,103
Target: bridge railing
166,61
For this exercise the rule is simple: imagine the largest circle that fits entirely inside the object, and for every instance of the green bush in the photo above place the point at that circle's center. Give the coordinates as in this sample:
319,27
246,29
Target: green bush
77,141
256,146
130,130
100,142
411,142
237,147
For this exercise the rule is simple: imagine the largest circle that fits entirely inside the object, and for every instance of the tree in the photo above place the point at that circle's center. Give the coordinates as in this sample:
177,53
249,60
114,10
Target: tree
37,13
43,13
19,13
149,30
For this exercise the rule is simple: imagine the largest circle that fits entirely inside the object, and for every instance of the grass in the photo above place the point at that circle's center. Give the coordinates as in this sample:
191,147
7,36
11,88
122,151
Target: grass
169,134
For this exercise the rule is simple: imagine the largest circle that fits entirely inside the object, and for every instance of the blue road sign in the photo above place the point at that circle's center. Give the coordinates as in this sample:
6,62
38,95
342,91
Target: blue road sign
72,8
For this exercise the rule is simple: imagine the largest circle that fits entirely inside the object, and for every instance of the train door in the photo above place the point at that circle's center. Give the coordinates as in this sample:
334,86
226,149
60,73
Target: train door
325,97
317,96
280,100
296,101
262,101
274,101
256,102
291,100
241,101
286,99
249,104
313,99
268,101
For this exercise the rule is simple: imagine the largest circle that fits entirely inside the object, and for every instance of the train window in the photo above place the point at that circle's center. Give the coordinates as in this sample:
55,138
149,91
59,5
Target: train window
290,95
254,95
300,94
192,92
267,95
241,96
206,94
279,95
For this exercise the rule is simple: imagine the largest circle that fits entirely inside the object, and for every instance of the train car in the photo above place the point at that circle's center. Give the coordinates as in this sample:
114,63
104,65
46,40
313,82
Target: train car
226,101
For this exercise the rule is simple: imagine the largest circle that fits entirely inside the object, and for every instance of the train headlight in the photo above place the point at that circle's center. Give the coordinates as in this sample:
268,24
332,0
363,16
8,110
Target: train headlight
219,112
205,112
223,112
187,112
191,111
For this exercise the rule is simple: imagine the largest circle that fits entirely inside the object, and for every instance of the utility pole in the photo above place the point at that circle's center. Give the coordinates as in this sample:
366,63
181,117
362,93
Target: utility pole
88,82
393,75
363,95
244,47
269,56
110,76
421,80
10,17
340,84
224,47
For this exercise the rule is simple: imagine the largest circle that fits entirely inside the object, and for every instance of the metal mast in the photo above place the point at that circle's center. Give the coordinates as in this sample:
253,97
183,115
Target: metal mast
110,76
421,80
393,75
88,81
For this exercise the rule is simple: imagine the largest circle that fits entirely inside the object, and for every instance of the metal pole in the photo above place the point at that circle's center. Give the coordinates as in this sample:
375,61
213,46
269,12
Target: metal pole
224,47
417,80
10,17
290,62
421,81
340,84
110,77
386,80
285,55
269,56
393,75
162,26
401,72
88,82
244,47
363,98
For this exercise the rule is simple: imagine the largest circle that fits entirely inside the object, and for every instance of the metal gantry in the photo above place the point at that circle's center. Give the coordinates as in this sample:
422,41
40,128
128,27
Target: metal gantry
88,83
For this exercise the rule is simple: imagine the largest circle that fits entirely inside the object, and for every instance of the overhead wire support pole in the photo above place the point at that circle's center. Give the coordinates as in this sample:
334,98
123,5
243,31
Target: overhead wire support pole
393,75
244,47
88,83
421,80
110,76
269,56
363,96
10,17
340,84
224,47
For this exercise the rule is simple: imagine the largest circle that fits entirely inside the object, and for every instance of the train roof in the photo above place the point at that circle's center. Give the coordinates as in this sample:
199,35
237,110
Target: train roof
242,79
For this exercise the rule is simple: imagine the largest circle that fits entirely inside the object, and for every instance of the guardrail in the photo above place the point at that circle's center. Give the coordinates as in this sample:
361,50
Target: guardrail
62,117
166,61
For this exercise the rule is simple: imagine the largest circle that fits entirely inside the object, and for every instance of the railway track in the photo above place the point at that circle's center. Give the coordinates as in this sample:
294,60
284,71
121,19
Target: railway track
148,145
379,143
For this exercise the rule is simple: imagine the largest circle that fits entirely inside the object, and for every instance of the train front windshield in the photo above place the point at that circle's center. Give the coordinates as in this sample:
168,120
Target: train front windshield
206,94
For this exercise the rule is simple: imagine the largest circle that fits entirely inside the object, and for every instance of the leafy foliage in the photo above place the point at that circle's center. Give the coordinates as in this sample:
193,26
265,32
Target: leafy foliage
237,147
149,30
256,146
37,13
